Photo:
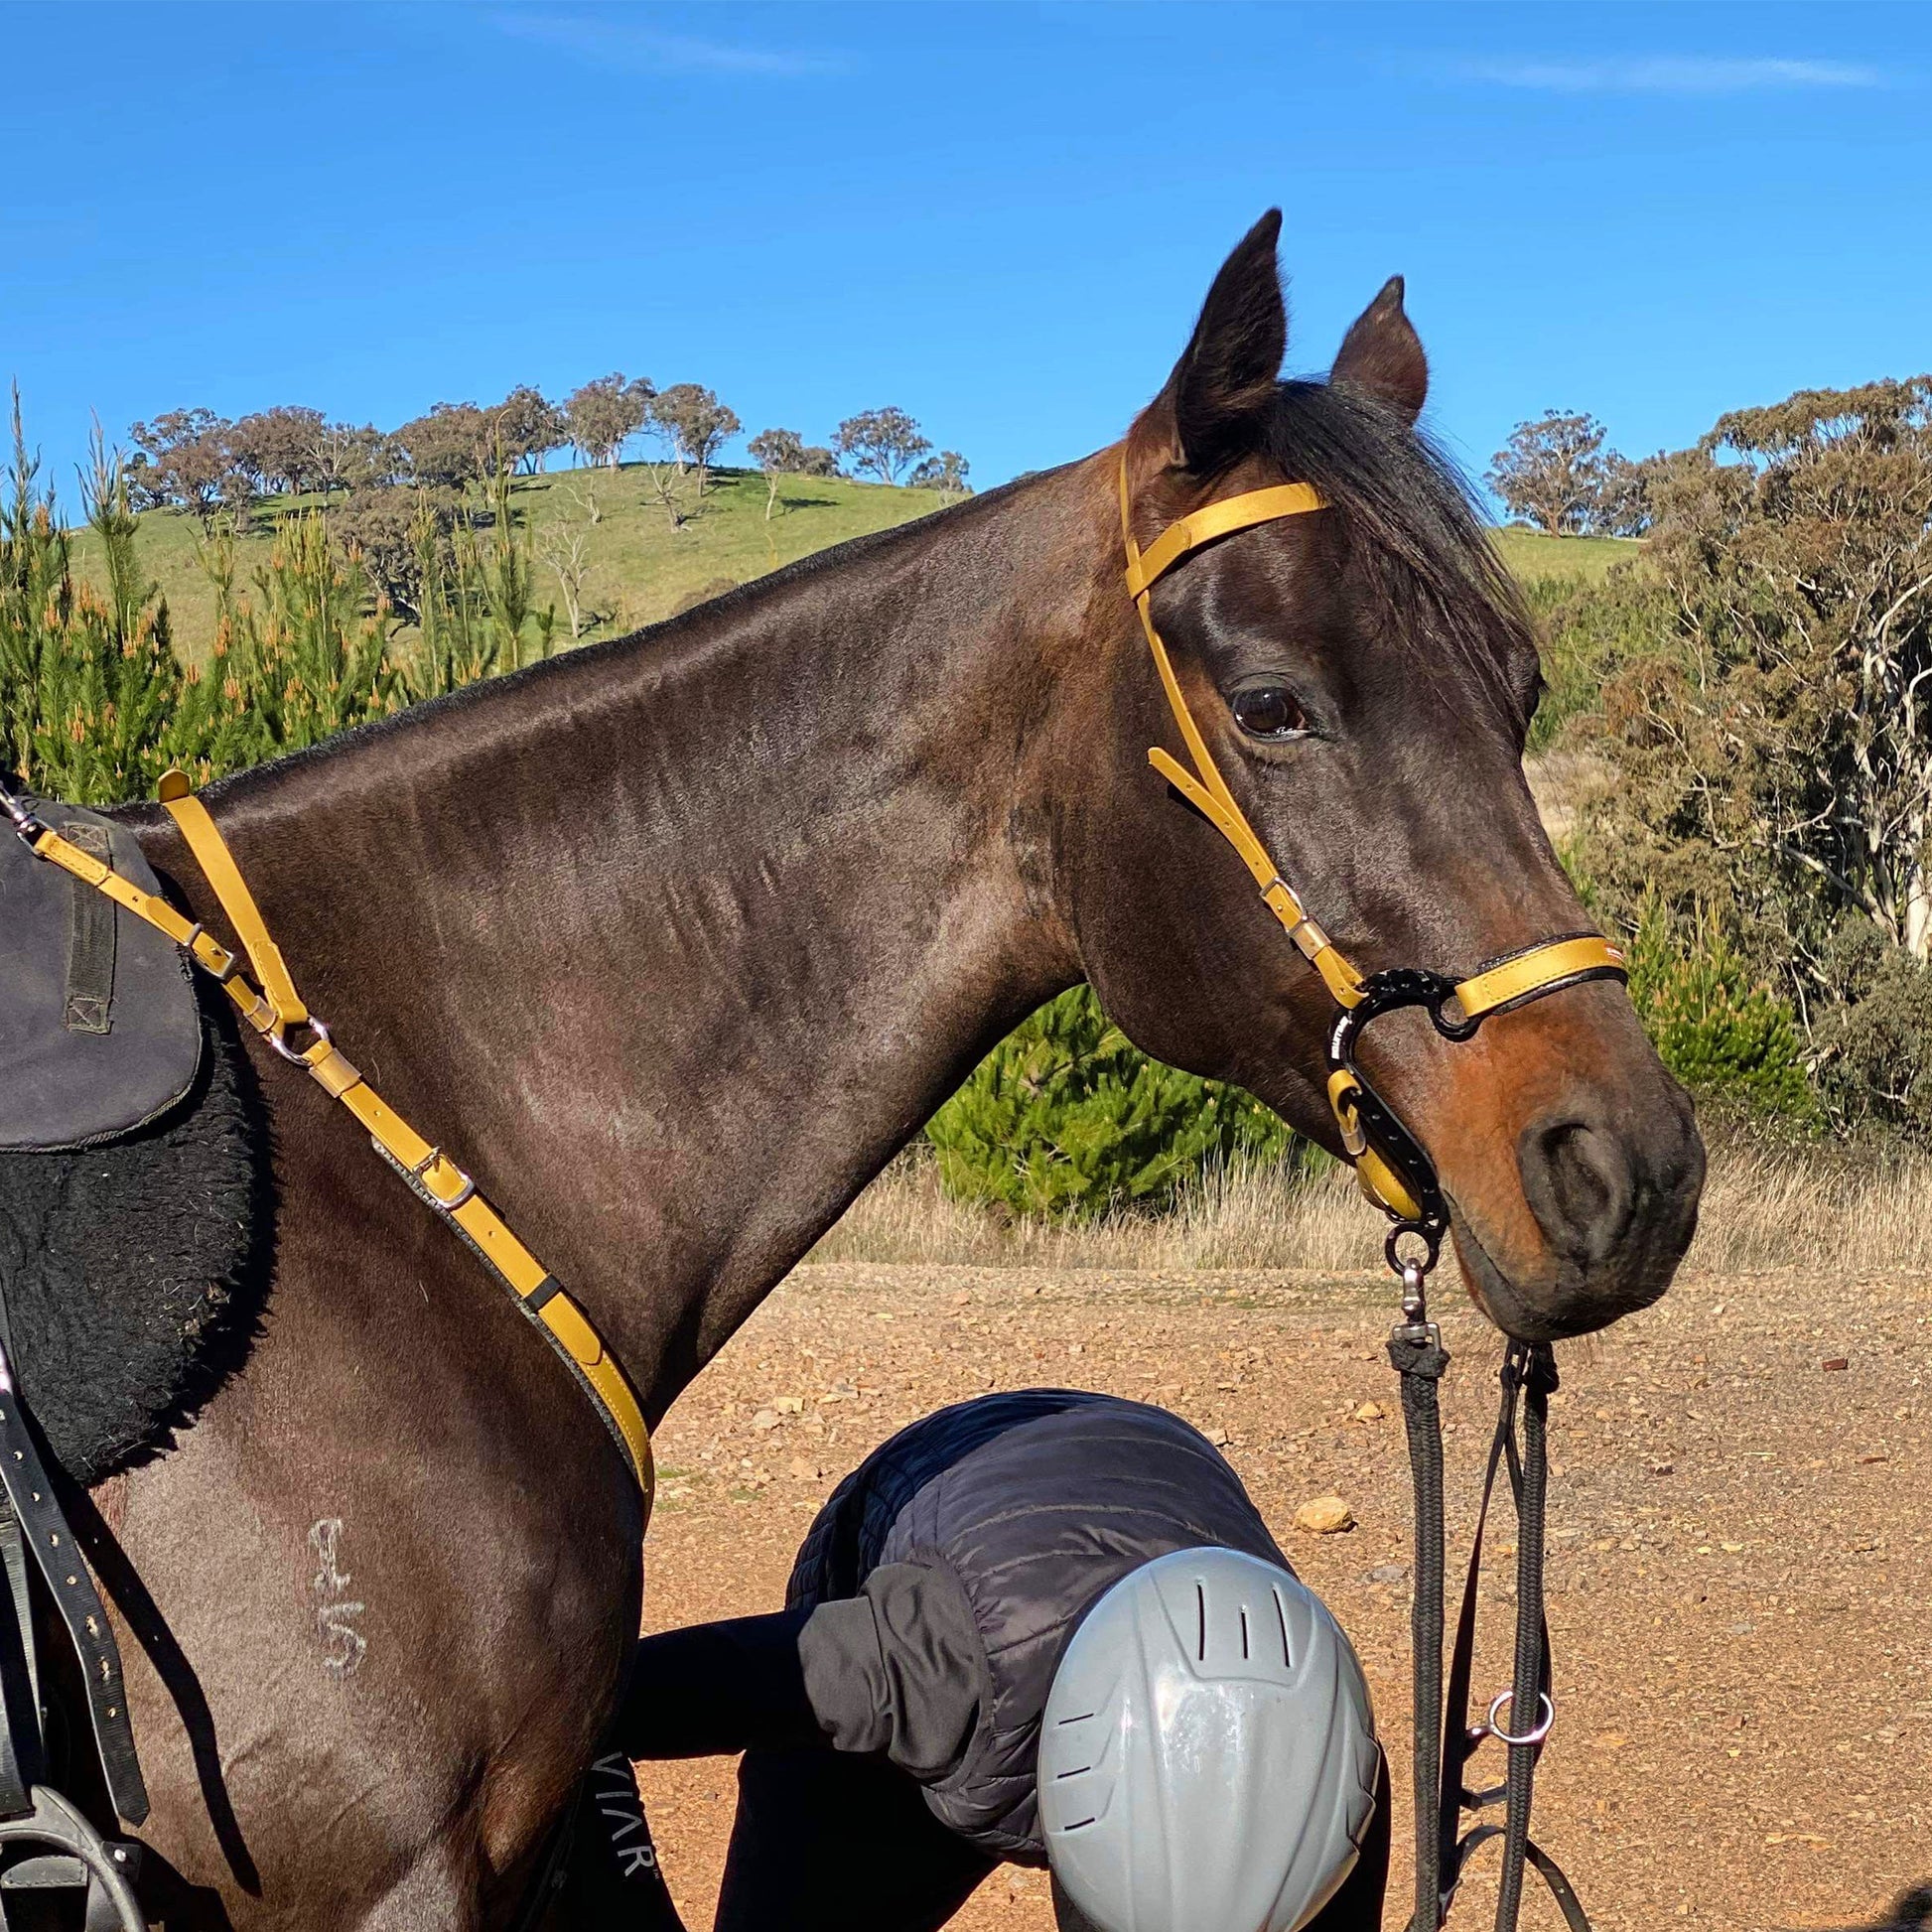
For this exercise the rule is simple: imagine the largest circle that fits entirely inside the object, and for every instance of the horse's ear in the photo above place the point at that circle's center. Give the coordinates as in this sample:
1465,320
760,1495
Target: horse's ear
1224,380
1382,356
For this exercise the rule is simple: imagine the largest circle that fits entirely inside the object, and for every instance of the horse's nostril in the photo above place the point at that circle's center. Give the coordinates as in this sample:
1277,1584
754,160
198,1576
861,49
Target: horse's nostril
1579,1184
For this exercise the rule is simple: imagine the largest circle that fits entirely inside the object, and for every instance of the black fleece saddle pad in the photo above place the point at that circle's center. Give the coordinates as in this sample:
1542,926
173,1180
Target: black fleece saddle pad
98,1029
133,1273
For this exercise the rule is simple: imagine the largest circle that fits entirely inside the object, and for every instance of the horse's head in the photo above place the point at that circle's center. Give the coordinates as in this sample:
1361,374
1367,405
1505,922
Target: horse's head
1363,676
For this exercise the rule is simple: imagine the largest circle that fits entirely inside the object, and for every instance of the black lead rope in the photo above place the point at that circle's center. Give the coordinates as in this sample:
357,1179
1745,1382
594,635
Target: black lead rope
1529,1378
1445,1738
1419,1360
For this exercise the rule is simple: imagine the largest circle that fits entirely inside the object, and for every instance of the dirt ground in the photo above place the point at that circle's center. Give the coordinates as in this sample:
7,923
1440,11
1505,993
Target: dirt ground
1738,1569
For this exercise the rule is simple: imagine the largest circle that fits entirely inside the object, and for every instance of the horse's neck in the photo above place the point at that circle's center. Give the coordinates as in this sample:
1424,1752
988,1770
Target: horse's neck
676,941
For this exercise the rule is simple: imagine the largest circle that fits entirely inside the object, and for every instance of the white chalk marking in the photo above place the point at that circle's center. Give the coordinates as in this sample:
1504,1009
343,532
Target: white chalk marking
345,1647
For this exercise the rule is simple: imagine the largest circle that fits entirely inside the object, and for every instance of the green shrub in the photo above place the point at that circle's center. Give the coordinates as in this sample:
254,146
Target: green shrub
1875,1047
301,660
1725,1035
1066,1120
474,594
1776,762
88,685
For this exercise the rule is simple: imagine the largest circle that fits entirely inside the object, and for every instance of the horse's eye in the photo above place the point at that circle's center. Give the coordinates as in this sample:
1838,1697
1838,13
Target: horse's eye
1269,711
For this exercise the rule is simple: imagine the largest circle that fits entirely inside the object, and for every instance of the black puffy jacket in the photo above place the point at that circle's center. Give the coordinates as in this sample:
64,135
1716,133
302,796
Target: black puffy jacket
1011,1515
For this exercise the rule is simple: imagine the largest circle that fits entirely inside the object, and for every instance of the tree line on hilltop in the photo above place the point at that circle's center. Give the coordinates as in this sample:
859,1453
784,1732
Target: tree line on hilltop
195,460
399,566
402,502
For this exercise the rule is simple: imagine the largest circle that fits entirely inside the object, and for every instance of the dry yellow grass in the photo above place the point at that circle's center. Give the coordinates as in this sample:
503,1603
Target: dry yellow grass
1565,785
1827,1215
1761,1212
1241,1219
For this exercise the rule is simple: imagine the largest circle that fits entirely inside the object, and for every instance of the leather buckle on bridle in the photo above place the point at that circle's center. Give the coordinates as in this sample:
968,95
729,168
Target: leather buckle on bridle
421,1172
230,961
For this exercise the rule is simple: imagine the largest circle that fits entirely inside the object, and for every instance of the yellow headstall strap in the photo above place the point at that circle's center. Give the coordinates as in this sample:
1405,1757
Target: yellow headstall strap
430,1173
237,901
1204,789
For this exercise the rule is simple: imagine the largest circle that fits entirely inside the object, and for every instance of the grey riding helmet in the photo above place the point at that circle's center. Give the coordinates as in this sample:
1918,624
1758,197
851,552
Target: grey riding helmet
1208,1756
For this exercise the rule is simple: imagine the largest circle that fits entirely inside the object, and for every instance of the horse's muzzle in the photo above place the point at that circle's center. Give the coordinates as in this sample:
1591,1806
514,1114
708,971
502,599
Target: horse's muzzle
1615,1202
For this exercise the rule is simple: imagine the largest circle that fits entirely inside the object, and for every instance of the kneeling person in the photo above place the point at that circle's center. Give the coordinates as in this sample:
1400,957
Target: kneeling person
1046,1628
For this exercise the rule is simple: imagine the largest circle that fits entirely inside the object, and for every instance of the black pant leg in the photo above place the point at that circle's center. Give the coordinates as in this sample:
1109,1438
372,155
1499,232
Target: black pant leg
827,1841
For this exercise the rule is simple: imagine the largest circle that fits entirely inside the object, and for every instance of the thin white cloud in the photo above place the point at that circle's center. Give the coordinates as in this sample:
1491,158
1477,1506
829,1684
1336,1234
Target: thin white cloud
1671,74
628,44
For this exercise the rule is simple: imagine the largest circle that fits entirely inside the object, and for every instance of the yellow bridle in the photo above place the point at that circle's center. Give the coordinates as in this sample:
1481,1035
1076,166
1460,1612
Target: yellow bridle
1527,975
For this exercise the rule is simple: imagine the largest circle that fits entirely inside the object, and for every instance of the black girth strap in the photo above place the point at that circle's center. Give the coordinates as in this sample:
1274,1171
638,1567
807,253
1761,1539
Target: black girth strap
1445,1738
57,1553
20,1699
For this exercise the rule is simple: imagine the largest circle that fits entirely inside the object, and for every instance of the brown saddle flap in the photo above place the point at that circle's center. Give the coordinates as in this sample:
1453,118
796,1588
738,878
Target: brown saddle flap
99,1032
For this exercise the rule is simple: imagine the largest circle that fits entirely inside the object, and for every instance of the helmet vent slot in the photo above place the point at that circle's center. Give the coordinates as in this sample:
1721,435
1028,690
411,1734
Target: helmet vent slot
1281,1618
1244,1633
1080,1720
1081,1826
1201,1633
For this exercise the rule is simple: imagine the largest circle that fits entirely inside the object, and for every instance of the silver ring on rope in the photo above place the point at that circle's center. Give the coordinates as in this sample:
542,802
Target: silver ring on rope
1537,1732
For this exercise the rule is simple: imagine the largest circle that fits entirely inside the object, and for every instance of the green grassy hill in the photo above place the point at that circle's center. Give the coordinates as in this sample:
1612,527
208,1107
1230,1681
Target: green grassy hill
1533,558
644,569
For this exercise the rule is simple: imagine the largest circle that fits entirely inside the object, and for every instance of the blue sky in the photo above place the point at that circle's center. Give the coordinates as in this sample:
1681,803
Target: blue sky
1000,217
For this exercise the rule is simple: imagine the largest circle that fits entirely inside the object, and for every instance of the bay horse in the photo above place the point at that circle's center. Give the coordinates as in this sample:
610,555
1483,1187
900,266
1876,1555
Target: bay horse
677,939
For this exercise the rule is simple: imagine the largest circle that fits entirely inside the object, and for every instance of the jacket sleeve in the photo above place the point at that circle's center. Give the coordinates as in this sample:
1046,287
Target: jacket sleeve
714,1689
898,1669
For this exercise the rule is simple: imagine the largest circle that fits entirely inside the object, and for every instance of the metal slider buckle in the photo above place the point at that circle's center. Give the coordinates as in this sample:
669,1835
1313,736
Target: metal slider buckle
24,822
419,1175
1316,941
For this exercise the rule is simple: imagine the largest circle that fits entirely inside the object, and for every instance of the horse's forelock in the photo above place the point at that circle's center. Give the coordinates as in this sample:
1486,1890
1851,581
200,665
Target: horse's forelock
1413,517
